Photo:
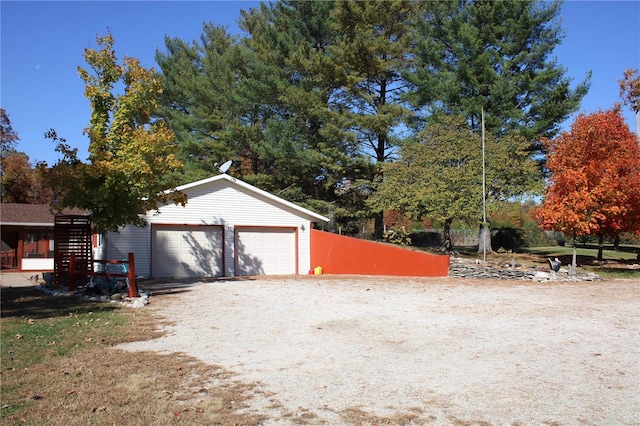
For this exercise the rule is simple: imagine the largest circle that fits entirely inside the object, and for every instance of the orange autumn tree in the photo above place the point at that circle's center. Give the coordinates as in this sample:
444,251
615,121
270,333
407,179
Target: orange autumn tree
595,179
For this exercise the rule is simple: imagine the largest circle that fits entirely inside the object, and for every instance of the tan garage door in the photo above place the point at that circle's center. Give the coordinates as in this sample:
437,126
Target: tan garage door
265,251
186,251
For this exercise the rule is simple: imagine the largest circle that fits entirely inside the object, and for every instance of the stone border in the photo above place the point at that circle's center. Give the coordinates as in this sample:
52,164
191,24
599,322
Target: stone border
464,268
137,302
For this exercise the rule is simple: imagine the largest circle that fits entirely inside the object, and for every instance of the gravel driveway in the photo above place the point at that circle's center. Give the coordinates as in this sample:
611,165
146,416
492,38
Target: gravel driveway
445,350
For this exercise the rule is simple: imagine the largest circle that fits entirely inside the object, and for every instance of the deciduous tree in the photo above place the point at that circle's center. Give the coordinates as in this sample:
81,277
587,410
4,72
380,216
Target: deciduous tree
129,153
595,179
439,176
8,136
22,182
630,93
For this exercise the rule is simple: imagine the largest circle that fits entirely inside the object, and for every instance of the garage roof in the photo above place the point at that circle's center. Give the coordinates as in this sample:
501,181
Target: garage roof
256,191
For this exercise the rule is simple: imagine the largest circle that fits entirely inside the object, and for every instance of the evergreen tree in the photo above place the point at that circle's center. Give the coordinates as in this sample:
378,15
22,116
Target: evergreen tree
264,102
198,102
310,140
373,50
496,56
439,175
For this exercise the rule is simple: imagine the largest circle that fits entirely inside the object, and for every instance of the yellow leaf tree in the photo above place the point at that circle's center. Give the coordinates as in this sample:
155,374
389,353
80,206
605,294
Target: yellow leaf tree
130,154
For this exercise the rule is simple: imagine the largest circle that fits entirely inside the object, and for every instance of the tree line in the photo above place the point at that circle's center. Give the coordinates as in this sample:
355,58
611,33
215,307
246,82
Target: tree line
318,97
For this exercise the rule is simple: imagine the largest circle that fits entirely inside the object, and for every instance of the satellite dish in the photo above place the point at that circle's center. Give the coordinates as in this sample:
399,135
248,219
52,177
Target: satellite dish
225,167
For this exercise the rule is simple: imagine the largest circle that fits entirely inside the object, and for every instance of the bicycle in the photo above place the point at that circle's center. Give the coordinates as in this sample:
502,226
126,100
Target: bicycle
101,281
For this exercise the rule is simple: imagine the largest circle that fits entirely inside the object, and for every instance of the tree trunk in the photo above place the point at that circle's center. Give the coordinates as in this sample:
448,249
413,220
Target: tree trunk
446,235
600,246
378,227
484,239
637,123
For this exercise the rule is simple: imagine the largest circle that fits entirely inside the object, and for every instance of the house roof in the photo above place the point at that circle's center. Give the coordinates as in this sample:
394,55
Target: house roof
256,191
31,214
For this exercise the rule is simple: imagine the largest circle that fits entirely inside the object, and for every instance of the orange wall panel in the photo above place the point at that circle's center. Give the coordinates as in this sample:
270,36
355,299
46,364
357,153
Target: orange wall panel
346,255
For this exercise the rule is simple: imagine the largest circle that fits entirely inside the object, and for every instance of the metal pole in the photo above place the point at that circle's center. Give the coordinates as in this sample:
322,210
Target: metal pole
484,198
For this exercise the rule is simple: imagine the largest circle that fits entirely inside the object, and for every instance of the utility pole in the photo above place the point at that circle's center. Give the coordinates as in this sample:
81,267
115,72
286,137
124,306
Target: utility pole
484,198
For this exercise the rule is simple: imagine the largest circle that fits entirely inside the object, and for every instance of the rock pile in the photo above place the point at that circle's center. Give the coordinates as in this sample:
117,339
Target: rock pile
463,268
119,298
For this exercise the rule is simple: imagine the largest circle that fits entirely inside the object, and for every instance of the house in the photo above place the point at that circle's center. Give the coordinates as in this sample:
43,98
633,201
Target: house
27,236
227,228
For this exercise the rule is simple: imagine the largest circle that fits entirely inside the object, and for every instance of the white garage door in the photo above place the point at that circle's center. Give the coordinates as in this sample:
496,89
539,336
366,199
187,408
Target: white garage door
186,251
265,251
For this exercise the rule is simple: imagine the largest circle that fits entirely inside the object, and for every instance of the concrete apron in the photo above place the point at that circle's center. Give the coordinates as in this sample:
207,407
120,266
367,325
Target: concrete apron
18,279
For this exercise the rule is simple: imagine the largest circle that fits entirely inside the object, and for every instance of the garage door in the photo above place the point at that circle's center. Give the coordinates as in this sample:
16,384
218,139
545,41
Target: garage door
186,251
265,251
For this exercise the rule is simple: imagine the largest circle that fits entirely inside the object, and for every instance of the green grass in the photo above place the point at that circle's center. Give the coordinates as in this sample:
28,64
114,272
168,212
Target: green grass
627,253
36,328
27,341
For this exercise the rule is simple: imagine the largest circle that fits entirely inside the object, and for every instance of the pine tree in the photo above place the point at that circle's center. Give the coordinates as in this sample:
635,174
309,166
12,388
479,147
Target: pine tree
369,58
496,56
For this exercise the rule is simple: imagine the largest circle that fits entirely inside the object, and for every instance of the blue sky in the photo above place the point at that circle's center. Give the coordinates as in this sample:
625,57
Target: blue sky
42,45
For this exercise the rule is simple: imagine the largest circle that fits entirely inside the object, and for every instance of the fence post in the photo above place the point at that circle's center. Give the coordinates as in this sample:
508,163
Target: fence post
133,287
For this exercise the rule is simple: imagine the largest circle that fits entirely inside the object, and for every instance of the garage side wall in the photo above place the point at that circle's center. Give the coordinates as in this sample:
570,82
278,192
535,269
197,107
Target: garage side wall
337,254
134,240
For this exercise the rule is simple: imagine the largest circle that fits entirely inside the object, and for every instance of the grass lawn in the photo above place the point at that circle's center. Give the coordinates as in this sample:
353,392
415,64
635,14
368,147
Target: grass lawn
625,253
615,264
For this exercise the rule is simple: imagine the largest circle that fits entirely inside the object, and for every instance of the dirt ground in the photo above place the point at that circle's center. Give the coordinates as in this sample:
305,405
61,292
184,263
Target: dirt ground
434,351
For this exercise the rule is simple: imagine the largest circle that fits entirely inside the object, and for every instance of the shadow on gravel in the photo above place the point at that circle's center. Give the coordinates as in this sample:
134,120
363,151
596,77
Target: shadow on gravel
160,287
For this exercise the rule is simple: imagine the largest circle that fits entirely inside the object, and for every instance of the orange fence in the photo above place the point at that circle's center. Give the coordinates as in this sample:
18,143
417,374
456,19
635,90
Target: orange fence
345,255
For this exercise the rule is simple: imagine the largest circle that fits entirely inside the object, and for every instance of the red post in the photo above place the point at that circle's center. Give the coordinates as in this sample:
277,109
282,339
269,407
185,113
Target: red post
72,272
133,288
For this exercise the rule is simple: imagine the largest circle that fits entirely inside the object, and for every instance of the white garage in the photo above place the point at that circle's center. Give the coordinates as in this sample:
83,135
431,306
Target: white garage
265,251
227,228
186,251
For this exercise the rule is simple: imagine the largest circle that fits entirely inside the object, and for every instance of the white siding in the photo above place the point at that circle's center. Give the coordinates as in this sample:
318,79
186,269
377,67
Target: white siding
135,240
223,203
36,264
